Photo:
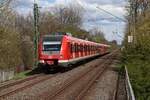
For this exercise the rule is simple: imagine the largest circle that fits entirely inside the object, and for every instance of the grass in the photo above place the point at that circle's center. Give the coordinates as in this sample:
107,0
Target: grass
21,75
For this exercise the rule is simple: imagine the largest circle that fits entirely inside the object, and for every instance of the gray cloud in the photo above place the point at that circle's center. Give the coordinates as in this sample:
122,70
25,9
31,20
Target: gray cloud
92,17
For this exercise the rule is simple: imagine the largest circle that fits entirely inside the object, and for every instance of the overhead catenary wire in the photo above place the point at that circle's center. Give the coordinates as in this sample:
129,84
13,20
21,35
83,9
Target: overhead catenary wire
99,8
4,3
111,14
119,18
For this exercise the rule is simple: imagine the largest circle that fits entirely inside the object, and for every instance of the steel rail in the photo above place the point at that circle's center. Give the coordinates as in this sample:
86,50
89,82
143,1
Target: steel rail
68,83
16,90
19,81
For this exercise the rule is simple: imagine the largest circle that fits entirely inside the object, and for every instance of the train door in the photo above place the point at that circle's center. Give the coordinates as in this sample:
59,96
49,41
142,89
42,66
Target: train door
92,49
88,49
73,51
81,46
79,49
76,54
83,49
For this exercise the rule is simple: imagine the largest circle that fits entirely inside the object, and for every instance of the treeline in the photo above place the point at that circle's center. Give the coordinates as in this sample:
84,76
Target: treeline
17,32
136,52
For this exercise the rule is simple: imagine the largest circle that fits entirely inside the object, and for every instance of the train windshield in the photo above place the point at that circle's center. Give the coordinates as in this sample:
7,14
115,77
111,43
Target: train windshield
52,43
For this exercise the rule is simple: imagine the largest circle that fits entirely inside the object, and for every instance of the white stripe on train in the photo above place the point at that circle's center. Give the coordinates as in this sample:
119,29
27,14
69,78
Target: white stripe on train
77,59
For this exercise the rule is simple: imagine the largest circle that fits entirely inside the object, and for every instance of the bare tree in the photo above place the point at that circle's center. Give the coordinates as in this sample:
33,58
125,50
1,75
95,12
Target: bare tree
71,15
4,3
97,35
48,23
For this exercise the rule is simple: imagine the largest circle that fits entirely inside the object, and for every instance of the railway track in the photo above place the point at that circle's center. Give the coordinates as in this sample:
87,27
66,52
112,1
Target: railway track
90,75
97,75
120,93
12,88
94,71
19,81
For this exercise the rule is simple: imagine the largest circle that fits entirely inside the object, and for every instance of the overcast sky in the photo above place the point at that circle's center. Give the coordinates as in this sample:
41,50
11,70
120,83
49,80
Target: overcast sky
93,17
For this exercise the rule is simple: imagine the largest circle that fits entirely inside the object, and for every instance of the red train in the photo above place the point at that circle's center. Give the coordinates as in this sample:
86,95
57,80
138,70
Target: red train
65,50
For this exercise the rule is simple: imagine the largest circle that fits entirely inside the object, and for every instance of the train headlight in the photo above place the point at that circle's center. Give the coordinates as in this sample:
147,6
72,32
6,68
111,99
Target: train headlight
41,61
61,56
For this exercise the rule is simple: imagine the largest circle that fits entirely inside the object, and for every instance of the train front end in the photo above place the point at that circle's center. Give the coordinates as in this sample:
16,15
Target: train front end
49,49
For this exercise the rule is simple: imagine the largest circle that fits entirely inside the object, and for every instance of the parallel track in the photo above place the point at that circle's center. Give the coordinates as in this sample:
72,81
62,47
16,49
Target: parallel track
90,83
19,81
27,83
96,76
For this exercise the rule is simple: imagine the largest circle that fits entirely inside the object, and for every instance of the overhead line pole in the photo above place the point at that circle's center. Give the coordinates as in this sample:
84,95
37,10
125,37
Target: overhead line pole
36,32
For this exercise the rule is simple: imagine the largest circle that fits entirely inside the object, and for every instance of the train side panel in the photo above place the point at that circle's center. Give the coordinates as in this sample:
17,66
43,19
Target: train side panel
68,50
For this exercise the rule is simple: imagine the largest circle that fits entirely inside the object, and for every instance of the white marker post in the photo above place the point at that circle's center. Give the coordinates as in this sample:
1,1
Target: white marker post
130,39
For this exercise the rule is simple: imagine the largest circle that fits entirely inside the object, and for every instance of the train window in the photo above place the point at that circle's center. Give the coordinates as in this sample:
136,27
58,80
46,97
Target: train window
78,48
75,47
90,48
86,47
71,49
81,48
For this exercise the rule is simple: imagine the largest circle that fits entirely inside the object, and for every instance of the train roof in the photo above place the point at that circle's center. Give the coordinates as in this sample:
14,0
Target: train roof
78,40
86,41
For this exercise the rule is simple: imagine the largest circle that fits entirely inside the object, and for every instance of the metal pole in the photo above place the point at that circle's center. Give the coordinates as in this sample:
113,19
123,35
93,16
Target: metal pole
36,33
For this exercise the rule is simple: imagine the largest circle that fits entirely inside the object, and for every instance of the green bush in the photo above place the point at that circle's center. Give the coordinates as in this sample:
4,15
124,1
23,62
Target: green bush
139,71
